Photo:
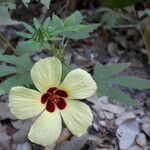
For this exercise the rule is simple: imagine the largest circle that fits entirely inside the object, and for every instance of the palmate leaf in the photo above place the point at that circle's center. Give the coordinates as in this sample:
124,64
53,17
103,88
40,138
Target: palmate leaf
71,23
30,47
108,71
8,58
111,18
28,27
55,29
104,89
7,70
103,76
25,35
46,23
16,80
23,61
19,71
82,32
71,27
74,19
131,82
57,25
36,23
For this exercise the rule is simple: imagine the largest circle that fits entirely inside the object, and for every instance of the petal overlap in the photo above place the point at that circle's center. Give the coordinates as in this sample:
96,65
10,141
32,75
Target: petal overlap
79,84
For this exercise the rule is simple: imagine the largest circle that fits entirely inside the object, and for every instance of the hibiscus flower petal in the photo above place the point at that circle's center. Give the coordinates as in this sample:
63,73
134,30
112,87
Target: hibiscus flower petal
46,73
25,103
78,84
46,129
77,117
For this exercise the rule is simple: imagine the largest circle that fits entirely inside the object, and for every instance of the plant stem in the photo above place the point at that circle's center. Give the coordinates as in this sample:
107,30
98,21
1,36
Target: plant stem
141,32
142,35
7,42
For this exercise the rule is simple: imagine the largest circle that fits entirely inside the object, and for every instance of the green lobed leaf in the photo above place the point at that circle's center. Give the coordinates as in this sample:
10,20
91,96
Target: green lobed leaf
8,58
23,61
30,47
46,23
57,25
23,64
111,18
103,77
21,68
74,19
68,28
6,70
108,71
81,33
28,27
71,27
36,23
115,94
116,68
16,80
131,82
25,35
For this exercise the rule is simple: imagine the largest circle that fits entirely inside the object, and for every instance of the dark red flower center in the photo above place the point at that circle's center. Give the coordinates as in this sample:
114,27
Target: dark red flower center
54,97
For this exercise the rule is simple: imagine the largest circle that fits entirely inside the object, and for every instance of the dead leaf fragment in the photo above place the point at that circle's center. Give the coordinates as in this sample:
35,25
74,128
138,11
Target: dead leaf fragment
146,125
17,124
64,135
4,139
135,147
124,117
141,140
126,133
24,146
76,143
22,135
103,103
4,111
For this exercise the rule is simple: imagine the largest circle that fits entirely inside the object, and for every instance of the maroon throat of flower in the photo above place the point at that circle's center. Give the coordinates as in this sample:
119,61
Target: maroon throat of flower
54,97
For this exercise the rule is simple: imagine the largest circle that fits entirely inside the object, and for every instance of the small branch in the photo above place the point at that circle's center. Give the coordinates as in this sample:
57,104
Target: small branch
141,32
124,26
64,136
2,37
62,8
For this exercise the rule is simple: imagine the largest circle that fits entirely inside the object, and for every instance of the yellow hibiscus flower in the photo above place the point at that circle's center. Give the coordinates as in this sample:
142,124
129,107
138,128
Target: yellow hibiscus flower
53,101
